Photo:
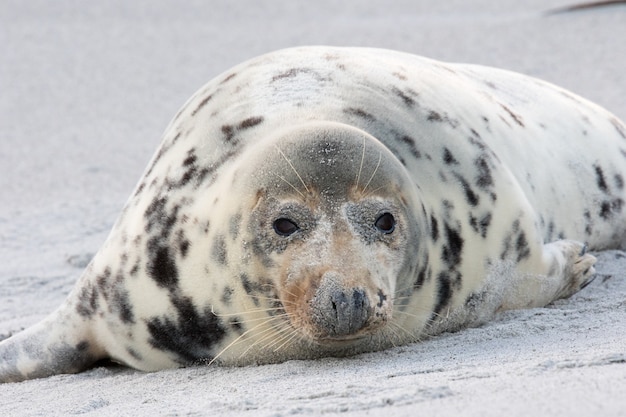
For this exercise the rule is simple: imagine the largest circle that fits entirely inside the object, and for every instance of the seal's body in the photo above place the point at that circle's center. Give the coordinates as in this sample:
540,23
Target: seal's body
329,201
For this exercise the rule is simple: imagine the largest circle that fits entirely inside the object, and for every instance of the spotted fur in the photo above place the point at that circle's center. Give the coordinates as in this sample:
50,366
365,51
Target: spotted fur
329,201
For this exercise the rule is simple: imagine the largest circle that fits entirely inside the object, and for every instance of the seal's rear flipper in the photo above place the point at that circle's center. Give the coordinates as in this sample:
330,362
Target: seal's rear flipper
56,345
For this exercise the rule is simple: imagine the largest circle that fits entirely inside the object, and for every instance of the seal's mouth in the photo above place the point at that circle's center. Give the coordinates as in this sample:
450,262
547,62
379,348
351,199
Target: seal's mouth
342,316
346,339
335,310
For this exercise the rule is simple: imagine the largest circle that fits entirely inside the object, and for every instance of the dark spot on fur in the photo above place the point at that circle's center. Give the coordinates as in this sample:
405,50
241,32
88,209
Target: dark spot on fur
191,335
453,249
227,295
155,213
187,176
517,241
122,305
621,130
433,116
444,293
421,278
184,247
287,74
161,264
610,207
410,102
235,324
191,158
471,197
245,281
518,119
229,77
198,176
448,158
381,298
293,72
87,301
113,291
521,246
481,226
619,181
600,180
411,143
218,252
229,132
102,280
359,113
201,104
235,225
250,122
434,228
484,179
118,299
140,188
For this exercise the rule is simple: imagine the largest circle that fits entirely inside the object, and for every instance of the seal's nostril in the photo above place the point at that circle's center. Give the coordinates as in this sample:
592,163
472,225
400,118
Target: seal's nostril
341,312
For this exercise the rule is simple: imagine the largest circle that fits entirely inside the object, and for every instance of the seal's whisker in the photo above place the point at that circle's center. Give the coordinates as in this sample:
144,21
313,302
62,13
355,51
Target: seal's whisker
246,321
273,334
392,328
418,309
373,191
406,313
261,297
259,310
411,287
410,334
291,185
241,337
290,339
358,176
237,340
271,299
380,157
293,168
282,334
266,334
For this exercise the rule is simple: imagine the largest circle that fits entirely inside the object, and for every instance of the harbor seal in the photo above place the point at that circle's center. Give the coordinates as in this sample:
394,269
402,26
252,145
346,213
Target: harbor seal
324,201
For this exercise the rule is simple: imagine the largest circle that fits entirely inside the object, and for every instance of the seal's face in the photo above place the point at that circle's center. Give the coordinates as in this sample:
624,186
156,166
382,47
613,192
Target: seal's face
332,229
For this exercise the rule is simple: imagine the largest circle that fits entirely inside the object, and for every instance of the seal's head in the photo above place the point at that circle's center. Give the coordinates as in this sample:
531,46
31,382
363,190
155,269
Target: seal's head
331,231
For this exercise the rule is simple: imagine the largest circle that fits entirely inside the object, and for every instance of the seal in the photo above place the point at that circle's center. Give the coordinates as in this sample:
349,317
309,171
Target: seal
328,201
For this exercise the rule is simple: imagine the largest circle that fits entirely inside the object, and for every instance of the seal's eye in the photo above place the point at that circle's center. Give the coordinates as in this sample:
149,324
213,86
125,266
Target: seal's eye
385,223
285,227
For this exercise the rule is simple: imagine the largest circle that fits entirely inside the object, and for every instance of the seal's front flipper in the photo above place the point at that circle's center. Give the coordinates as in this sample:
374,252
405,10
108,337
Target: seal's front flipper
566,269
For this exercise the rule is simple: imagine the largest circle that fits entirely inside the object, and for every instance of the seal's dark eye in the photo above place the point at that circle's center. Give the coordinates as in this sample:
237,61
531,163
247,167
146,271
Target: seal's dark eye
285,227
385,223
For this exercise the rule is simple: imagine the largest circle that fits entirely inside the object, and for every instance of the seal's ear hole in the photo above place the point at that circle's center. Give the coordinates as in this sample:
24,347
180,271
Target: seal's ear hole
385,223
285,227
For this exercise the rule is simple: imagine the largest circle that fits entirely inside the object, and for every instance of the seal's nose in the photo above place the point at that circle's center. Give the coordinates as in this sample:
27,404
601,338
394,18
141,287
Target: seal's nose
339,311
